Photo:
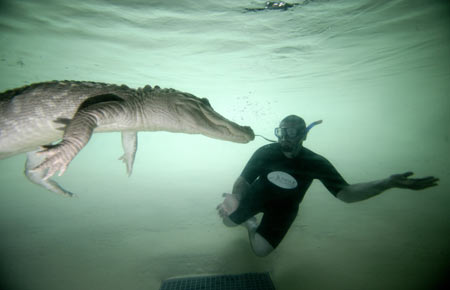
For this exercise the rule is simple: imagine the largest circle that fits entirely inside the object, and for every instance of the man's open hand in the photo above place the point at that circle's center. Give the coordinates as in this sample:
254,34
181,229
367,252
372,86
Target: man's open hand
403,181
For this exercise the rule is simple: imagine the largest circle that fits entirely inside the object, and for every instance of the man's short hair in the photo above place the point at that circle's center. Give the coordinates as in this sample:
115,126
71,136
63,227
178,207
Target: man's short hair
295,119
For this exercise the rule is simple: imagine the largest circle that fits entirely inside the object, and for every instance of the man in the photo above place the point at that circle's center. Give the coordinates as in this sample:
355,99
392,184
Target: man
276,179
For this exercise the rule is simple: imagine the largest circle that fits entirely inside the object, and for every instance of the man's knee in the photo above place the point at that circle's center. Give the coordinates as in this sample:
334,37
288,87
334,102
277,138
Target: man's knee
260,246
229,222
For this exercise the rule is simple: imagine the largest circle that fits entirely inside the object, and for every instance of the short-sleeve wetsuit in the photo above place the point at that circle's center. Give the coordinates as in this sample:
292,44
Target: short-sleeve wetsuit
278,185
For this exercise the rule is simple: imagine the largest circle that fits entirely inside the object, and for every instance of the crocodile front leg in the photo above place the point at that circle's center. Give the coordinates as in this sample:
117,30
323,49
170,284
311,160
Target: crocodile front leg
76,136
37,177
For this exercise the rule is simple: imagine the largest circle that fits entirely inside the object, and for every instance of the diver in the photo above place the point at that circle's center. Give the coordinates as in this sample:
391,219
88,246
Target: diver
276,178
279,5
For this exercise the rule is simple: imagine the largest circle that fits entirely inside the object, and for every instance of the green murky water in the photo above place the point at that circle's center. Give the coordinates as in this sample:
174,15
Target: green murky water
376,72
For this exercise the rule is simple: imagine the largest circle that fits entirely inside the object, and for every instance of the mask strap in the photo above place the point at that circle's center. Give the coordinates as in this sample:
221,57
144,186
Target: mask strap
310,126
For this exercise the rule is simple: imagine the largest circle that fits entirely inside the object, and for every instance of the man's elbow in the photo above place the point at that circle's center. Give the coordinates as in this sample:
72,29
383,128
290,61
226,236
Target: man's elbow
345,196
228,222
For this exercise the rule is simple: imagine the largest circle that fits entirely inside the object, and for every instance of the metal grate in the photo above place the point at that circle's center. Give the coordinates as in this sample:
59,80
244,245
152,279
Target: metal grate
248,281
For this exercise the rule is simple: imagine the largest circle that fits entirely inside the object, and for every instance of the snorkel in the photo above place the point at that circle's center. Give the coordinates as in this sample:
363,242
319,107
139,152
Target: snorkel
309,127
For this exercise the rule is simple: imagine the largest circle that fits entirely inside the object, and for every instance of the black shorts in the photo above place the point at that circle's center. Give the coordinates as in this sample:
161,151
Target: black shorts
280,208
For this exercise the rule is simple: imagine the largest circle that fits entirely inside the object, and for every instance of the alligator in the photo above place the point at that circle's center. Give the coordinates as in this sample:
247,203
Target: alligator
53,121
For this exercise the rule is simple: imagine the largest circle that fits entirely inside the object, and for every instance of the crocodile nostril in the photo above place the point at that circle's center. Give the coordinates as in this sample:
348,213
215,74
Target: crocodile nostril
206,102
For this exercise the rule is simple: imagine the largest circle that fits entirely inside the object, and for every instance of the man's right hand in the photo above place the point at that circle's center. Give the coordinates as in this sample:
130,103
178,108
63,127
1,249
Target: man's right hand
228,206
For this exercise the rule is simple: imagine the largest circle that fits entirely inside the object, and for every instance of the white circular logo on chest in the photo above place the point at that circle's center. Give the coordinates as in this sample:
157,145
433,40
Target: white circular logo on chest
282,179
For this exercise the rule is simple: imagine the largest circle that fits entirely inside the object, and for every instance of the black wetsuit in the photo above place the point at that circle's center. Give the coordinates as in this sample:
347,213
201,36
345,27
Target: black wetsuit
278,185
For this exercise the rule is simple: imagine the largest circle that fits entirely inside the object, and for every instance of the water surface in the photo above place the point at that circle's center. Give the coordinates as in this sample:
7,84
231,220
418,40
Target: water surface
376,72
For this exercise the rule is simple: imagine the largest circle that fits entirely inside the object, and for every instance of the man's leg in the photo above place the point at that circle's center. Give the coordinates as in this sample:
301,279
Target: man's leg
274,225
260,246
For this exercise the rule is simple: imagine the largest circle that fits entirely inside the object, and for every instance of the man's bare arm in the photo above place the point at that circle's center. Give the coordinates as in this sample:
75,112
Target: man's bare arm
240,187
363,191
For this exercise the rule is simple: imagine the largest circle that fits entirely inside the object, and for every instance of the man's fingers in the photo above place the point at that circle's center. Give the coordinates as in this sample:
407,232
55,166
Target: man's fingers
407,174
422,183
422,186
402,181
228,205
222,212
430,179
425,180
220,205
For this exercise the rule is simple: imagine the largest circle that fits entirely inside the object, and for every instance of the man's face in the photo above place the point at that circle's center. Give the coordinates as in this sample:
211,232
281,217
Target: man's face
290,136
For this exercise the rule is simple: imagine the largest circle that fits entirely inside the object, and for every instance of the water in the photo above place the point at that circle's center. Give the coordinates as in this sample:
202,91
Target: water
376,72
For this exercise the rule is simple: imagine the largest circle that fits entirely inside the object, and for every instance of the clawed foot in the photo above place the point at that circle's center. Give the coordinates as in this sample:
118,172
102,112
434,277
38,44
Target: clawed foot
128,163
37,176
56,159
